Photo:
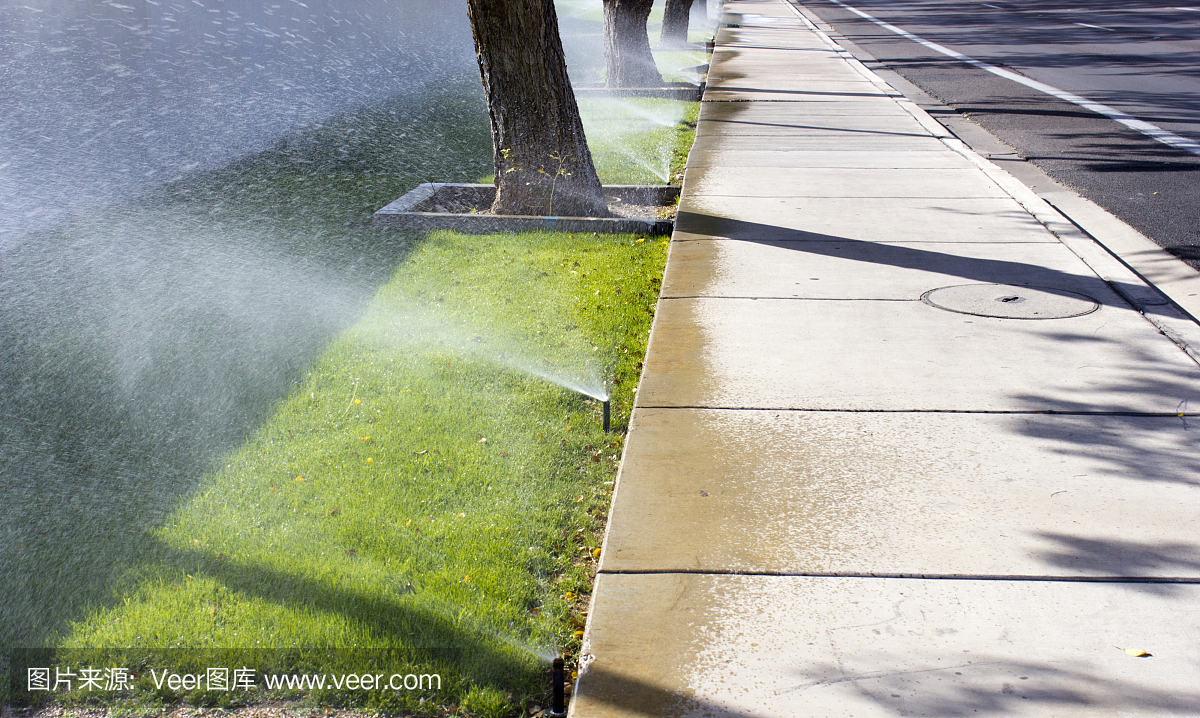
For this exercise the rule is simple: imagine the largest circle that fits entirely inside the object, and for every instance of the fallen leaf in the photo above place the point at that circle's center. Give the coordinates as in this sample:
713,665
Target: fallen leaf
1135,652
422,452
483,440
596,554
300,477
333,513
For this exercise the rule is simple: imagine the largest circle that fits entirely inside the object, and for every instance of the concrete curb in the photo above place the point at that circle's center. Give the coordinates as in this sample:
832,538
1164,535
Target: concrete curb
419,209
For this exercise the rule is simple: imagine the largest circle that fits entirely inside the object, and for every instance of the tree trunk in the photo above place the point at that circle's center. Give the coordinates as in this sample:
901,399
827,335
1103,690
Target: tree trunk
676,17
627,58
543,166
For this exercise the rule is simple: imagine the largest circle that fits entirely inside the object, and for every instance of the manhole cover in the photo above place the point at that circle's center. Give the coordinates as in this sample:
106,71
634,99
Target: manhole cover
1010,302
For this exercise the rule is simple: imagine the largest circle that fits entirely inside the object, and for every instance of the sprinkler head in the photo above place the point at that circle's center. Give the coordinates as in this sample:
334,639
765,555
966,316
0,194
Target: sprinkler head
607,409
558,707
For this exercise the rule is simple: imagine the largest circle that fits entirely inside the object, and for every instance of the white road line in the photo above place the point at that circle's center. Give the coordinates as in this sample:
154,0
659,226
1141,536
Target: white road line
1095,27
1154,132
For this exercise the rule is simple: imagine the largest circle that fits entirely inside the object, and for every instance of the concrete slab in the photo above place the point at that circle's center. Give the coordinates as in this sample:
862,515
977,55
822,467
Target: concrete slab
835,125
801,92
907,356
848,269
818,139
896,159
791,70
907,494
782,112
743,40
773,55
842,182
848,86
724,646
882,220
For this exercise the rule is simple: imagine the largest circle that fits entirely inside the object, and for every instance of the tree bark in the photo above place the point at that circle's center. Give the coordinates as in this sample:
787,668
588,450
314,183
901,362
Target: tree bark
676,18
543,166
627,57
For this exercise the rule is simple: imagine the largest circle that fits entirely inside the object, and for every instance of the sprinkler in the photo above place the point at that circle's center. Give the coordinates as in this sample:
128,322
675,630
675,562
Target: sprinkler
558,708
607,408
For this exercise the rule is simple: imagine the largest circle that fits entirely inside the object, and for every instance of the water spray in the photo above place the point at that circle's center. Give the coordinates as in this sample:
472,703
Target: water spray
558,708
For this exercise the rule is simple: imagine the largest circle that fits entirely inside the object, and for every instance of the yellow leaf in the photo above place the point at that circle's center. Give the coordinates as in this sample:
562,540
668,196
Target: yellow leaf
1137,653
578,634
596,554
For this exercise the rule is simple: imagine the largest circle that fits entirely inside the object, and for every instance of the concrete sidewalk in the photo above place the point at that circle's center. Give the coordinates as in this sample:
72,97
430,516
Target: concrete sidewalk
899,448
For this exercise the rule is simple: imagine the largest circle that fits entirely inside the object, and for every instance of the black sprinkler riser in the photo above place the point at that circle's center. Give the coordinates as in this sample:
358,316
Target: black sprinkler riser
558,708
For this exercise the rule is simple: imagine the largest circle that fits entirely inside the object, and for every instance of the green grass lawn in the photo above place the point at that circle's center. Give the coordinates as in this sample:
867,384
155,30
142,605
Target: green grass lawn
415,506
408,490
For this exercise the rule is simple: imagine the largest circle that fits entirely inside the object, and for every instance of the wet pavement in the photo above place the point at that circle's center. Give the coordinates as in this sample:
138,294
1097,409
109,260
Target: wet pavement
899,448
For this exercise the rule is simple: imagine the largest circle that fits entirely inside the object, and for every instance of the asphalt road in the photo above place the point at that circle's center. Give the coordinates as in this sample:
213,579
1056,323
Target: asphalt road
1140,57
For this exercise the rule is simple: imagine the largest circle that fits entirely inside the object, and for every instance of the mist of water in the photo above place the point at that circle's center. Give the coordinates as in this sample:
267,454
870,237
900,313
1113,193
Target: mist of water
420,328
151,319
104,99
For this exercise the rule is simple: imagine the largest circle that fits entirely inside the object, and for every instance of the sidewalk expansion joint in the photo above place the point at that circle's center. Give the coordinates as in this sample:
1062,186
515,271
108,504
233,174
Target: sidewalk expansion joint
911,576
793,298
1014,412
